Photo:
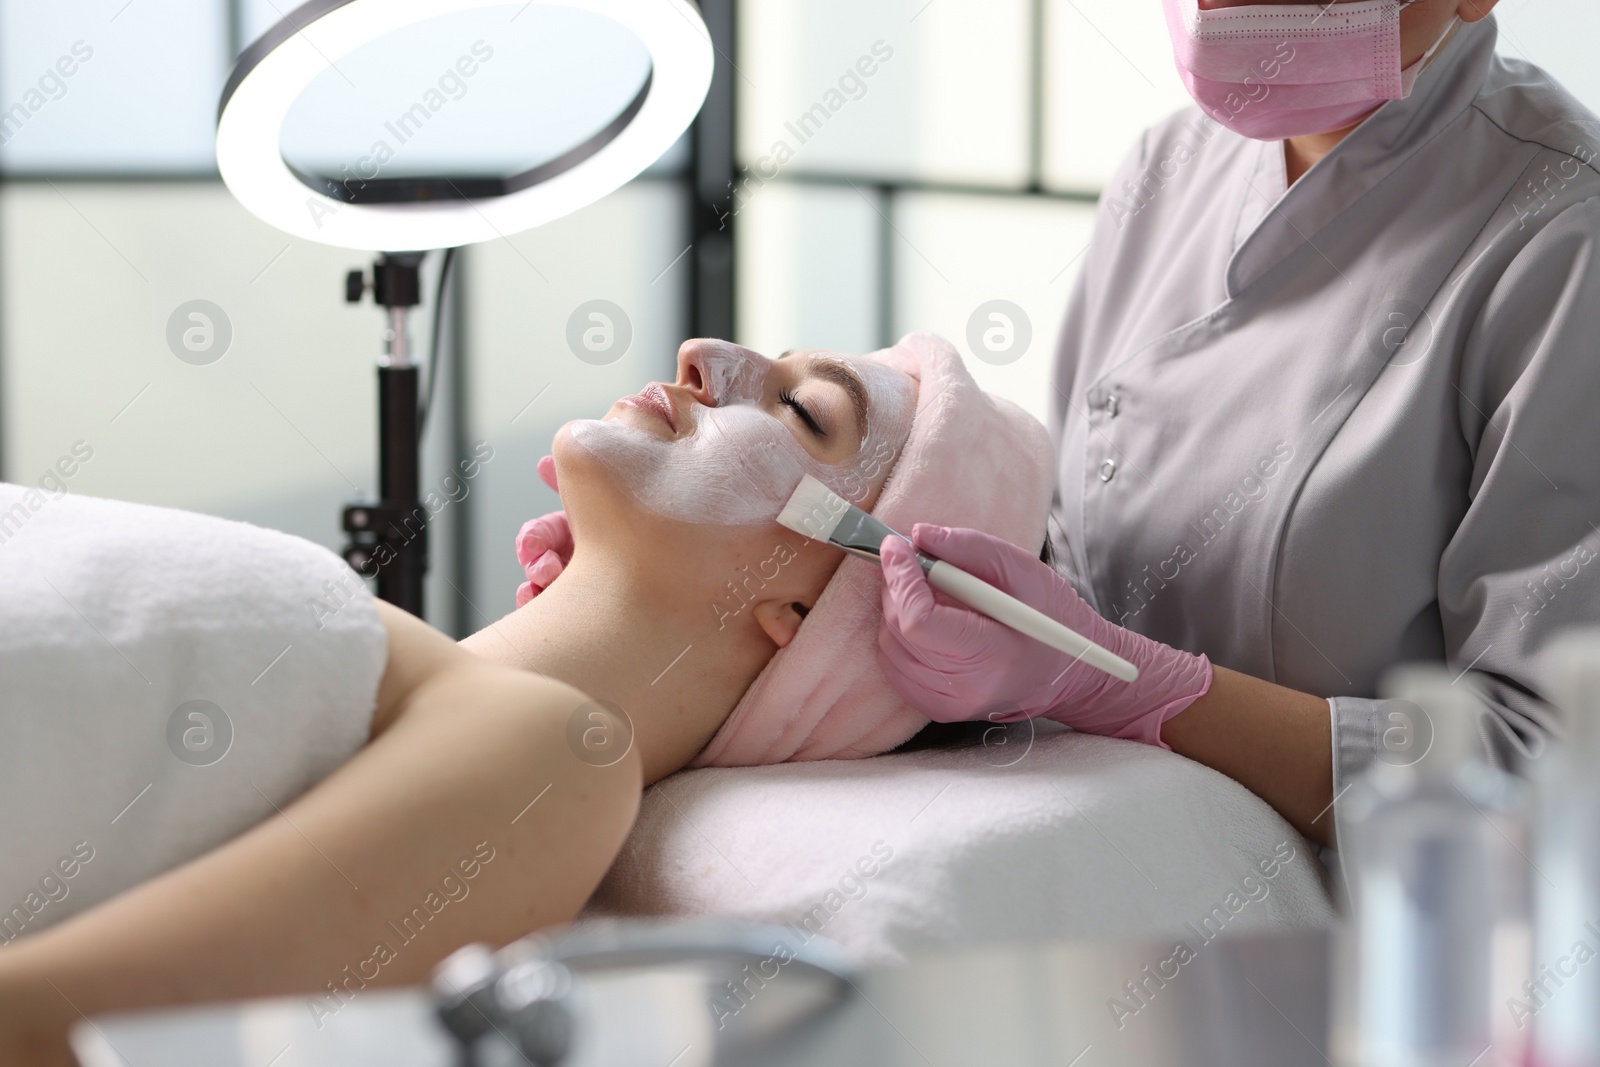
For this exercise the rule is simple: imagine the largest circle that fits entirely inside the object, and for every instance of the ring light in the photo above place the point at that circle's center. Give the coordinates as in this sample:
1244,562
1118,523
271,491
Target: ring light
273,72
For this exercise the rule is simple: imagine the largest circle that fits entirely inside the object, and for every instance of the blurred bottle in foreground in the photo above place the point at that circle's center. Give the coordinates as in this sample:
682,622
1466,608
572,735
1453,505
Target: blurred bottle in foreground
1561,999
1435,845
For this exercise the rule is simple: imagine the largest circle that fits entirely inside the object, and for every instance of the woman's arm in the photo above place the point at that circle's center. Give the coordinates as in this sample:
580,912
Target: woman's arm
1276,742
956,664
467,818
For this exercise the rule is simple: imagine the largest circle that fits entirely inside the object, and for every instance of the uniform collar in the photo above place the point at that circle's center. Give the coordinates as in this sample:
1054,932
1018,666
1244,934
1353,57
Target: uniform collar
1283,220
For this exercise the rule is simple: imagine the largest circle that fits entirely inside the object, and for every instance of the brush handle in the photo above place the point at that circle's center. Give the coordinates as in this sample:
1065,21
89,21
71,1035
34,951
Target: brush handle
1003,607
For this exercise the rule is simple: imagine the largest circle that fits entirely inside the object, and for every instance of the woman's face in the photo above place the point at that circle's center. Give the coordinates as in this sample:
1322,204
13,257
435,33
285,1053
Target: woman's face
727,442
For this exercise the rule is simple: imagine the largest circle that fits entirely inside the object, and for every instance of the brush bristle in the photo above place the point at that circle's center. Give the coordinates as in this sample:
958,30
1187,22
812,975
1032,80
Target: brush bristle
813,510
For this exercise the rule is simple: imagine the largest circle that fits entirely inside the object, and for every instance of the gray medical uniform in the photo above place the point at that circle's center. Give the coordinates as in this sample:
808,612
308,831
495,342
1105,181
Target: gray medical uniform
1313,433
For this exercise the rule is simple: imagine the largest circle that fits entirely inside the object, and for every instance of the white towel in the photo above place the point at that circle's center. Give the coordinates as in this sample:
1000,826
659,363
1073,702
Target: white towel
167,681
1081,837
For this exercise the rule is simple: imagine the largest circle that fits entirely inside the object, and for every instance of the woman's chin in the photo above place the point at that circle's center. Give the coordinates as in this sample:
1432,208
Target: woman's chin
578,447
561,446
590,488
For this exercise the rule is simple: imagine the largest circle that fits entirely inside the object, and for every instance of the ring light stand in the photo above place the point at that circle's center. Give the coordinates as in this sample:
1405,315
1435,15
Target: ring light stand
403,217
389,539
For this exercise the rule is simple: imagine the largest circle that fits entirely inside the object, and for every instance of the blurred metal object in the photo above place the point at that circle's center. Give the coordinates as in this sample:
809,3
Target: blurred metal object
1235,999
533,996
463,993
518,1000
527,999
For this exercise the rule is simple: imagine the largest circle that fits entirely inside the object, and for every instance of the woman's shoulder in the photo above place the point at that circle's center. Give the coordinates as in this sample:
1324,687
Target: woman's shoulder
1528,104
418,654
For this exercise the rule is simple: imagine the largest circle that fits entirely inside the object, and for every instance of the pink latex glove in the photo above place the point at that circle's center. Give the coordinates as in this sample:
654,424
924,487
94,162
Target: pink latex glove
955,664
544,545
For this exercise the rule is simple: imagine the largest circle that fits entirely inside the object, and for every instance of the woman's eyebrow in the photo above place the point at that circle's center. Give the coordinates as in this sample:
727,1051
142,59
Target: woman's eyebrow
845,378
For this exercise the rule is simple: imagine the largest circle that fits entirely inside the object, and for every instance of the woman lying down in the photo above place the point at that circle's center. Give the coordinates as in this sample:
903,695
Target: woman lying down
210,791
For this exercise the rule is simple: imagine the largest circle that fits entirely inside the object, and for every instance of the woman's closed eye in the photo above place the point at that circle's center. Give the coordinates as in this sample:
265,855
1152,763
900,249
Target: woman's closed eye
804,413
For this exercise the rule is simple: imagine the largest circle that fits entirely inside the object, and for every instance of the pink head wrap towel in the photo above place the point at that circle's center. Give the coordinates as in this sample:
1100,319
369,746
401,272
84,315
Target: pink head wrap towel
972,460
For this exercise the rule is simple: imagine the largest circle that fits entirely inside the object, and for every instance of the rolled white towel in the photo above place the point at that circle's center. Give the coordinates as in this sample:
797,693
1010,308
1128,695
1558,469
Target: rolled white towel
167,681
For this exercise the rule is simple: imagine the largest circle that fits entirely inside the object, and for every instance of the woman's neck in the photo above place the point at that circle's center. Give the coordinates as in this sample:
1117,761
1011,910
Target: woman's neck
1300,154
631,639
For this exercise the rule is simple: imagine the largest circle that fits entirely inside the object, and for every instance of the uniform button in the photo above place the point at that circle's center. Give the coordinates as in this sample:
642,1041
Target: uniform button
1111,406
1108,470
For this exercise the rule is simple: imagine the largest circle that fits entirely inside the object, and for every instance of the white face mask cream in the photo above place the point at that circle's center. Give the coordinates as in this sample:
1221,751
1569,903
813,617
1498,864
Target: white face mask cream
739,464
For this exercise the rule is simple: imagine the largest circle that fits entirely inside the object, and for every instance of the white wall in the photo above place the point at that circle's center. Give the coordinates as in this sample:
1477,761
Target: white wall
143,90
810,261
950,101
92,273
955,255
1108,73
1558,35
280,430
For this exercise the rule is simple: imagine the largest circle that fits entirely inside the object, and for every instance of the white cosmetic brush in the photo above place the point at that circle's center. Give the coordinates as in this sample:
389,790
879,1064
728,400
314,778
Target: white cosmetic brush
815,511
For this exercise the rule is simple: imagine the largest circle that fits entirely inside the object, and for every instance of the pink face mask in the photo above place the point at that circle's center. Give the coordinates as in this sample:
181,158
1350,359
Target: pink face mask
1273,71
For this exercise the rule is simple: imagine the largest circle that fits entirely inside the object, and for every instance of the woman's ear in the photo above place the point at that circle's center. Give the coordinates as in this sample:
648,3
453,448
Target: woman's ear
780,619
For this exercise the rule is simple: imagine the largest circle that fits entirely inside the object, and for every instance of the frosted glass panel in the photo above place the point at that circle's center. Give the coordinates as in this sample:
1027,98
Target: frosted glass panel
809,266
1108,75
1558,35
258,16
278,429
531,305
673,160
894,89
109,85
995,270
95,274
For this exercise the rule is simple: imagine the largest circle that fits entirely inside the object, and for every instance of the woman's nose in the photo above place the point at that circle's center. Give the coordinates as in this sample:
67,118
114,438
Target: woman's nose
720,372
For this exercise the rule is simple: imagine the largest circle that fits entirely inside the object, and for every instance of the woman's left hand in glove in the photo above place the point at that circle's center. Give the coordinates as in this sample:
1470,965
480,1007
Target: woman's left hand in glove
544,545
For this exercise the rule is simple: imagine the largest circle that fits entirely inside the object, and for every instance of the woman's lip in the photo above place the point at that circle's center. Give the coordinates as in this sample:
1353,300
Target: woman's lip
654,399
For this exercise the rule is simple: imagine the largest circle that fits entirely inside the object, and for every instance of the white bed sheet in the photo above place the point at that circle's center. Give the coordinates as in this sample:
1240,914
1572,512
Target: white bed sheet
1064,836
